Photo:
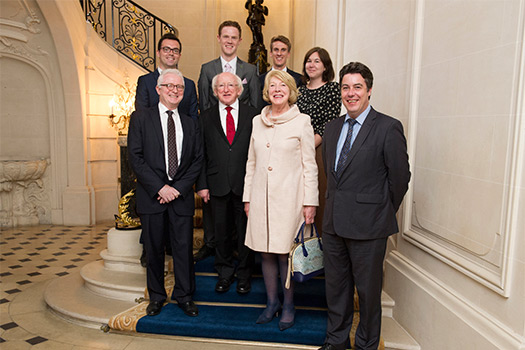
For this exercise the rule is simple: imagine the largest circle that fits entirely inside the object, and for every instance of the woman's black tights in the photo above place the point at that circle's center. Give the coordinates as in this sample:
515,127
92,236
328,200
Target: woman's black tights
274,265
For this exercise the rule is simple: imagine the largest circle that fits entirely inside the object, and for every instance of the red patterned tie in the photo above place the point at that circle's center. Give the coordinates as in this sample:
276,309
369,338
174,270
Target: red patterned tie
173,162
230,125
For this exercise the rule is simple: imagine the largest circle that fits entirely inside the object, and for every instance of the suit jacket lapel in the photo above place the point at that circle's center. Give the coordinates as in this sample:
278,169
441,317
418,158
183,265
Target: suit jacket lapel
332,146
186,129
239,70
157,126
216,122
241,122
361,137
217,66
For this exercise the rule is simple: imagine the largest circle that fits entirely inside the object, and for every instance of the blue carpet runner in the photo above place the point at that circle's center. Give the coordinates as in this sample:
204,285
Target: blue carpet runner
232,316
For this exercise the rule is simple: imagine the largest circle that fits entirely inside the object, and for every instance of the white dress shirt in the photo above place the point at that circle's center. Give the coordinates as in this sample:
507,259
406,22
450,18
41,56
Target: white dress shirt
234,112
178,133
233,64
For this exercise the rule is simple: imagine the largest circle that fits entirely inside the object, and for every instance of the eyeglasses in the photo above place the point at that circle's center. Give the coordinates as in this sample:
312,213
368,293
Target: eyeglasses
167,49
173,86
229,85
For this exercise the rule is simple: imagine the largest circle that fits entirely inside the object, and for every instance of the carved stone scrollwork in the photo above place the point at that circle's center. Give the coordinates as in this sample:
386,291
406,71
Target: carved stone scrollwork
21,192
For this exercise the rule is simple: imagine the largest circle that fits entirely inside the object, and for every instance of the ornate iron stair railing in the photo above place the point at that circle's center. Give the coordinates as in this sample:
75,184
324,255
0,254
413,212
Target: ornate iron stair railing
133,30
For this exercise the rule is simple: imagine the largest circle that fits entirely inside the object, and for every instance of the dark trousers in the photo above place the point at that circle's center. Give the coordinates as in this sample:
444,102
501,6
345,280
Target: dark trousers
353,263
156,229
207,225
229,224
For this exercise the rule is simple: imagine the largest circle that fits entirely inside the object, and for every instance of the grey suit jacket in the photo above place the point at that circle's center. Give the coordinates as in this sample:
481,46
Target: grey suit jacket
362,203
251,94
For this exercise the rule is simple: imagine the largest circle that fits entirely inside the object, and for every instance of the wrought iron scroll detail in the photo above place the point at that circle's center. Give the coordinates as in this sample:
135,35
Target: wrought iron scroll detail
133,30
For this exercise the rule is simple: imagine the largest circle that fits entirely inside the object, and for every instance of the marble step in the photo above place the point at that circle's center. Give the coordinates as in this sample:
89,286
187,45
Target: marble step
68,298
115,284
395,336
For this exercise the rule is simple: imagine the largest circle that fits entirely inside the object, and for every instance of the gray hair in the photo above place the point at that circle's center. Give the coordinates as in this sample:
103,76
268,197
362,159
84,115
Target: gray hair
165,72
215,78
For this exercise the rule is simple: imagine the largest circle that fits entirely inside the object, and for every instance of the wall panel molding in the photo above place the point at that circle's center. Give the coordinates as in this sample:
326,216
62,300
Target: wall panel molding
464,211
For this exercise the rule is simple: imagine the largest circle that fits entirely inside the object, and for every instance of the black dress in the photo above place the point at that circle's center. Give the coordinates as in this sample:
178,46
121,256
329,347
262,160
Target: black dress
322,104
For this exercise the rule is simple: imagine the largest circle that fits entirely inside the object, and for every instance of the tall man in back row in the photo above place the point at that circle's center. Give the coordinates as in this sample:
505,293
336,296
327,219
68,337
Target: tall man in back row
229,38
366,164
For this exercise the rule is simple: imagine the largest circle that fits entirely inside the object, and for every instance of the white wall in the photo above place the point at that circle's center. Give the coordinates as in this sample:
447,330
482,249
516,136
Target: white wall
453,72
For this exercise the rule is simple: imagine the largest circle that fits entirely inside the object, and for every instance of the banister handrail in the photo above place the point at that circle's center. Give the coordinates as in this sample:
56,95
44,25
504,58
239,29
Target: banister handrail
134,30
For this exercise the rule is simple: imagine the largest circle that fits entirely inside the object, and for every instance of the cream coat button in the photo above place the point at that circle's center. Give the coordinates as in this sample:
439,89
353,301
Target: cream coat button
268,145
269,168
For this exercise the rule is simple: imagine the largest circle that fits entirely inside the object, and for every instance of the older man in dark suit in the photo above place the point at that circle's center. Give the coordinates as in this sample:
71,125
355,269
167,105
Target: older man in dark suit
226,129
366,164
229,38
165,151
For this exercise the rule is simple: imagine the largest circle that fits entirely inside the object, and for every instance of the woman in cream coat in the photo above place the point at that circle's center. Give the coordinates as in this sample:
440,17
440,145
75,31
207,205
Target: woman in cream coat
280,187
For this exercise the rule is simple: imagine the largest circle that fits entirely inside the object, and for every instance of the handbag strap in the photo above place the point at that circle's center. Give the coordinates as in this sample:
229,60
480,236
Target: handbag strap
300,237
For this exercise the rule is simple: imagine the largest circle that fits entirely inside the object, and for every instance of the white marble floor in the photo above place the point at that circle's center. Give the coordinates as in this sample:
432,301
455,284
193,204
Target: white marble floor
30,257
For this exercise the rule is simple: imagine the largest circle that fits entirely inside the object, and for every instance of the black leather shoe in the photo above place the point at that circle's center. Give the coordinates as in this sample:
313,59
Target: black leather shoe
189,308
244,286
223,285
154,308
143,261
327,346
203,253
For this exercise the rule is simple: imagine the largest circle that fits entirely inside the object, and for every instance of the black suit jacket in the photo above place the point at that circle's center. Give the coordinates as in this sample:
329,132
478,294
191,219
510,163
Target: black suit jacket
296,76
251,93
363,202
147,95
147,157
224,164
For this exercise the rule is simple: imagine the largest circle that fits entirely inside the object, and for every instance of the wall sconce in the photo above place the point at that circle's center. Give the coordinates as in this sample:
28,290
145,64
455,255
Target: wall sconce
122,105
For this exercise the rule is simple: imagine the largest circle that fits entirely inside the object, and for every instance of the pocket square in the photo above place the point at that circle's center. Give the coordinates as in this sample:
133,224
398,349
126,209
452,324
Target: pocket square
244,81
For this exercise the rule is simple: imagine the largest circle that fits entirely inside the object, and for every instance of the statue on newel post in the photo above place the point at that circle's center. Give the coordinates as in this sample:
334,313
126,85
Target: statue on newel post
257,54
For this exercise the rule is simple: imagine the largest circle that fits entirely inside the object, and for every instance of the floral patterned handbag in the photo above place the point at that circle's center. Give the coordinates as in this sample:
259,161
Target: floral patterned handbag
306,256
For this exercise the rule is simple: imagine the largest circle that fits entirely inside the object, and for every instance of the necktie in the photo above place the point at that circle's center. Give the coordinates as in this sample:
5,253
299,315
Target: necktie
346,147
230,125
173,162
228,68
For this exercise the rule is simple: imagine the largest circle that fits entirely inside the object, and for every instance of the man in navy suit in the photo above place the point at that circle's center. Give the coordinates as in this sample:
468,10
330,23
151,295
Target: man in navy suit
280,47
165,152
169,51
229,38
366,164
226,129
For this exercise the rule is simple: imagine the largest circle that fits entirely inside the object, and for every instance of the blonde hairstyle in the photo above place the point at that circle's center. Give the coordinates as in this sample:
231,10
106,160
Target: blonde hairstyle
285,78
